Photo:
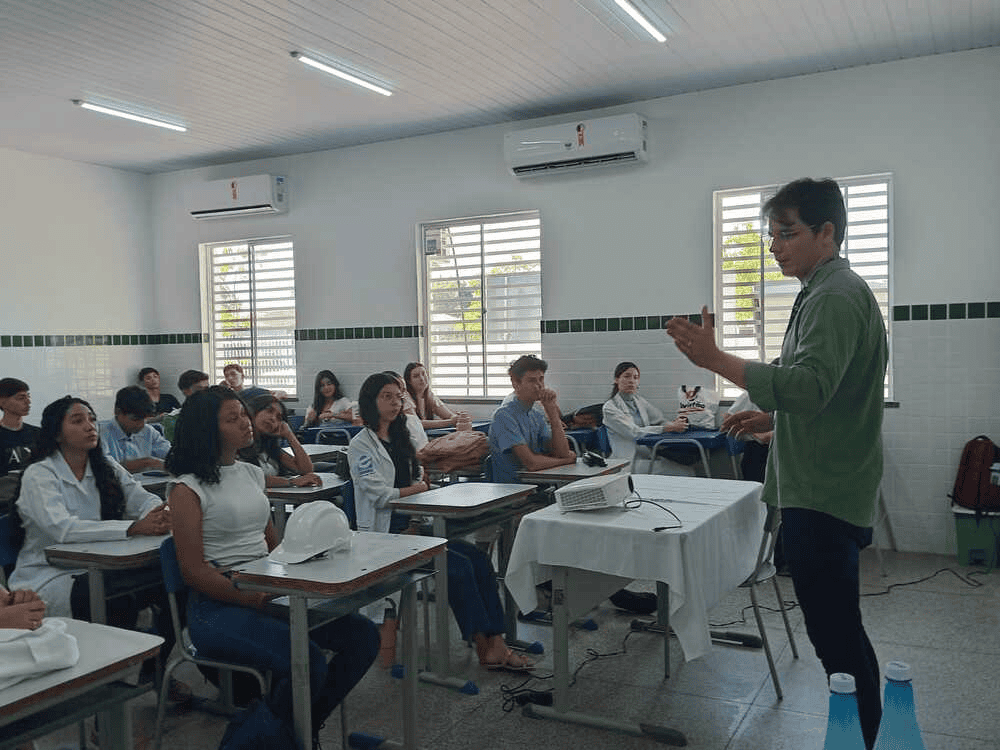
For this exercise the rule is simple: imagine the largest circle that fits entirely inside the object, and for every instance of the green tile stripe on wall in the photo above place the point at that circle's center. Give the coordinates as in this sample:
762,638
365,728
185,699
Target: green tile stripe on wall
106,339
900,313
359,332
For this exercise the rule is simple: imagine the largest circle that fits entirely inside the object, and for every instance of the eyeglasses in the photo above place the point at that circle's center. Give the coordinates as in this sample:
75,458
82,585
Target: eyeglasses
785,235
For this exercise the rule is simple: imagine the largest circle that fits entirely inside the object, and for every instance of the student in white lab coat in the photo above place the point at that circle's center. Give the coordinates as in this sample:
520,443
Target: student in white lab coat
628,416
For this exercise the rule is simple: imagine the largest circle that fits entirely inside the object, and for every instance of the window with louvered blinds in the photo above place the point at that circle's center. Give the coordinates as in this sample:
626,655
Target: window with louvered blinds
753,300
251,309
481,292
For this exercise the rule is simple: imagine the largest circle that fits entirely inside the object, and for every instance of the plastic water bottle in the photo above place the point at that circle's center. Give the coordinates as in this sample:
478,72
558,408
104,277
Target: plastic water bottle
898,730
843,727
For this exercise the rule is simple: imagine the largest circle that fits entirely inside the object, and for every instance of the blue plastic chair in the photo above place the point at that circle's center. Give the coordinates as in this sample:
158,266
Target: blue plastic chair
174,583
347,495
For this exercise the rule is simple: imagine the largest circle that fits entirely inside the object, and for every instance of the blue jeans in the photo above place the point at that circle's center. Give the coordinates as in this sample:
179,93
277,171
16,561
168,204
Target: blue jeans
230,632
472,591
822,556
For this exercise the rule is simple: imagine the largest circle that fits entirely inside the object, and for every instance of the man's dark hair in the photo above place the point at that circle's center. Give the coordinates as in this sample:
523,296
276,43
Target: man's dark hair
817,202
145,371
525,364
134,400
11,387
189,377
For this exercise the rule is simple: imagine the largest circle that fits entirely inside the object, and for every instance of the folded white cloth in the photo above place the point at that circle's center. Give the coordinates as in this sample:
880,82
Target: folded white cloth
29,653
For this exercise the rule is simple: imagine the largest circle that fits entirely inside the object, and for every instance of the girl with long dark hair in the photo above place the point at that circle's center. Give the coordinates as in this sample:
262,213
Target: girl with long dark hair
430,409
72,492
329,404
222,518
628,416
268,416
384,467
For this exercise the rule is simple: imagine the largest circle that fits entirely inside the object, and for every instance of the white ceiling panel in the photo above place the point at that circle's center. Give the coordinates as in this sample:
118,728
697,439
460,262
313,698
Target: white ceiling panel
223,67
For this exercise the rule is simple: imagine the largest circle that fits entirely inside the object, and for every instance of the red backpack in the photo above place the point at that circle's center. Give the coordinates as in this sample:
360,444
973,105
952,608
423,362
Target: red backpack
972,484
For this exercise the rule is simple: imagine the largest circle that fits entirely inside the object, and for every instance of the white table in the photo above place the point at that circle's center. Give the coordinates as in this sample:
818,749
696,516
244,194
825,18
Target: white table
376,565
126,554
590,554
281,496
43,704
560,475
458,509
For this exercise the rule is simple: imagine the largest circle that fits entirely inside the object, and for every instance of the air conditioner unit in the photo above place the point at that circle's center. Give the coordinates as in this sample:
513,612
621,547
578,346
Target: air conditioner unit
620,139
593,493
238,196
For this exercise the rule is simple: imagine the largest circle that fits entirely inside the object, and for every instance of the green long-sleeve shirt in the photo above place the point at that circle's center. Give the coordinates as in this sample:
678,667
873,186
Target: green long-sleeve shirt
826,392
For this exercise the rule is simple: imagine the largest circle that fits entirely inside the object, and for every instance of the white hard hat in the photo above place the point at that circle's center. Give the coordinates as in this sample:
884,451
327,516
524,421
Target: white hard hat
312,529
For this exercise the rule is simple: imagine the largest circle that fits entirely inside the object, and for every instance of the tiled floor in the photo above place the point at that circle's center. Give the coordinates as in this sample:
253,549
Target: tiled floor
948,631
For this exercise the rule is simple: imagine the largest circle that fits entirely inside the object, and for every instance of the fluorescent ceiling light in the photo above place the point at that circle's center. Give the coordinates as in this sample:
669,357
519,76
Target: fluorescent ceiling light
129,116
640,19
340,74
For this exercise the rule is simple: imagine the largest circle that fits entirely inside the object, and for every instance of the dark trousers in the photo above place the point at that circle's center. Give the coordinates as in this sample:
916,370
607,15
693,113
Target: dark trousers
822,556
472,591
243,635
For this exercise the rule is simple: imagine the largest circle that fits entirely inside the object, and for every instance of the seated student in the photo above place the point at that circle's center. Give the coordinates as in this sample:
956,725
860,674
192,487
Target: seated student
73,492
233,379
384,467
189,382
628,416
418,436
22,609
329,405
192,381
221,519
429,408
163,403
519,437
128,439
17,438
268,416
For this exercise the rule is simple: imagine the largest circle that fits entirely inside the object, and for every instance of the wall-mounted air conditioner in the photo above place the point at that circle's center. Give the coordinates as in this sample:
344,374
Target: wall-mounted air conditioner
238,196
619,139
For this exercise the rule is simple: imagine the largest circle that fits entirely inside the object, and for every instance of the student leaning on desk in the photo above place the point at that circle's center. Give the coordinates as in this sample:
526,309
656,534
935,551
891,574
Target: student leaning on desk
74,493
222,518
268,417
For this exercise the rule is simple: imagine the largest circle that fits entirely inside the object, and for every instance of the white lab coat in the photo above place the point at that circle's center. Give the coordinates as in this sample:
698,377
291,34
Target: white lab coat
56,507
621,427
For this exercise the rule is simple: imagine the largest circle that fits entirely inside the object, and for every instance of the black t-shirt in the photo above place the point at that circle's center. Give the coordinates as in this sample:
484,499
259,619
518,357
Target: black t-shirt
166,404
17,447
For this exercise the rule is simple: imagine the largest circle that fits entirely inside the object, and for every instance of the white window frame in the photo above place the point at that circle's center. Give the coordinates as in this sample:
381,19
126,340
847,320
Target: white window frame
475,250
267,289
740,228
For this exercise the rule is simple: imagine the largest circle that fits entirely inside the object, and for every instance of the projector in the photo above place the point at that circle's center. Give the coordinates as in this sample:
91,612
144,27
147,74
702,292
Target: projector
594,493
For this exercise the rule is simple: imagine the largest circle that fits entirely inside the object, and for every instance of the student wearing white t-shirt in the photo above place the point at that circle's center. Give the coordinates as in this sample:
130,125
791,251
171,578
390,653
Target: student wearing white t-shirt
222,518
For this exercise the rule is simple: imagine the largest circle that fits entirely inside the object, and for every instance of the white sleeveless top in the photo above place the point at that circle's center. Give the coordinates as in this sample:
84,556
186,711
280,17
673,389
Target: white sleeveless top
234,514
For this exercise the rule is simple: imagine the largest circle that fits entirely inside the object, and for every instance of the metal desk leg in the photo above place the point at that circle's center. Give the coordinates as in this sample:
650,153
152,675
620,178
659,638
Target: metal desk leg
560,703
442,616
408,609
98,606
298,621
510,606
663,620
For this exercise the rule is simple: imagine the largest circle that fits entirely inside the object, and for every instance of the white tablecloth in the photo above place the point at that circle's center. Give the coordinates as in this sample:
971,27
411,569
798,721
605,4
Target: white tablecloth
709,556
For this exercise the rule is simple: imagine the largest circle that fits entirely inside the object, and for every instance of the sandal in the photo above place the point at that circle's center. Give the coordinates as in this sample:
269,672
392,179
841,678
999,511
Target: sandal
511,663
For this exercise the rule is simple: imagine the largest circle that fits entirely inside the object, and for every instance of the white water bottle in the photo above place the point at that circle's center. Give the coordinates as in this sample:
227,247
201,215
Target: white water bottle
899,729
843,725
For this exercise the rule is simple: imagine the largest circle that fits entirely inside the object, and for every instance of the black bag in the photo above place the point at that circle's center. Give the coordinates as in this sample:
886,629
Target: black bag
972,483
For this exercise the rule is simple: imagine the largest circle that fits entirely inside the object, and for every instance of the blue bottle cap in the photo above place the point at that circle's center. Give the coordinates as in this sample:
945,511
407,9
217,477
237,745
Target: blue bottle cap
841,682
898,671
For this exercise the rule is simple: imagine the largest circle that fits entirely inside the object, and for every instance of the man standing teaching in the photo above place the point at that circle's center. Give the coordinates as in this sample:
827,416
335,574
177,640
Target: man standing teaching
823,398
